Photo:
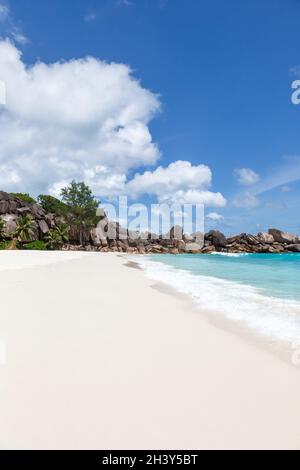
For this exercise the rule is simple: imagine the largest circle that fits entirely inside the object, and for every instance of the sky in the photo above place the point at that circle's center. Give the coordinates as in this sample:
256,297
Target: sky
186,101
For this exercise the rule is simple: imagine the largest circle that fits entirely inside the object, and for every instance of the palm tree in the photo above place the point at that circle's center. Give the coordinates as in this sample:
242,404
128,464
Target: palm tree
53,241
62,232
25,229
2,229
56,237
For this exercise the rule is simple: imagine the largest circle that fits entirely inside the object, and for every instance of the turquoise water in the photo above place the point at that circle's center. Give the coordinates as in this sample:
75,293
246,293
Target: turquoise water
276,275
259,290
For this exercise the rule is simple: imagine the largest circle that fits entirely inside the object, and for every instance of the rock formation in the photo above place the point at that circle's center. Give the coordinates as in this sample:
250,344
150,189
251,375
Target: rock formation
110,236
12,208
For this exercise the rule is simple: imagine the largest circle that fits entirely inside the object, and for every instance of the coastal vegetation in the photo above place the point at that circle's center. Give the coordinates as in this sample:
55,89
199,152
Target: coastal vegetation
56,237
4,245
82,207
2,229
36,245
52,205
71,223
25,229
24,197
46,223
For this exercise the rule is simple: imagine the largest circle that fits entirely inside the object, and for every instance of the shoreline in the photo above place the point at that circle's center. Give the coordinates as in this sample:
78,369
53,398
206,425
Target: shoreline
281,349
87,368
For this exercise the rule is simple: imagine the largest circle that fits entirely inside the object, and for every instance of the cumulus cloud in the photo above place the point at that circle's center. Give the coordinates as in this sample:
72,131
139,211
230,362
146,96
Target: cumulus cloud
179,182
214,216
246,176
78,119
88,120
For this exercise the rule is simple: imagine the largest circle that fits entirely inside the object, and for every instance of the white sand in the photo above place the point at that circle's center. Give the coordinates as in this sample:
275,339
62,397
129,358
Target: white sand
96,358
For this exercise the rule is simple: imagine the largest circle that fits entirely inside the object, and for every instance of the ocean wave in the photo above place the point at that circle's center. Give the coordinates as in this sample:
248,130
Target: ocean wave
230,255
275,318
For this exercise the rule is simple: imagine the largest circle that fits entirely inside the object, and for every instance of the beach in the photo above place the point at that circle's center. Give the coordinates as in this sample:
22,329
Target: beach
98,356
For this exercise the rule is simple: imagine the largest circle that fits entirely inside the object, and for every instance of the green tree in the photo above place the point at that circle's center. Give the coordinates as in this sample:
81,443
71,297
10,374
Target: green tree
62,232
82,206
56,237
2,229
52,205
24,197
25,229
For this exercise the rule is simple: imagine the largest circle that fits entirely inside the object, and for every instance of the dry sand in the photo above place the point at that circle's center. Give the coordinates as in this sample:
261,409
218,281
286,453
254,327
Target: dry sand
98,359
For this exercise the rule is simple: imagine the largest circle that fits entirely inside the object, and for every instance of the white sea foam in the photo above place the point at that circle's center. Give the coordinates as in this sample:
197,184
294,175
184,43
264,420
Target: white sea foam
275,318
229,255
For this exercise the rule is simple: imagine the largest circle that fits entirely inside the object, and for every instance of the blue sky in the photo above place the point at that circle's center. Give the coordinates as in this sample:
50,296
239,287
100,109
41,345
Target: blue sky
217,76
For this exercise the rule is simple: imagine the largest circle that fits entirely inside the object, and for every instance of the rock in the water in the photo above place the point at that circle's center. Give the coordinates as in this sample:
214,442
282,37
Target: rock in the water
188,238
251,239
192,248
217,238
176,233
198,237
154,248
133,234
208,249
283,237
295,248
265,237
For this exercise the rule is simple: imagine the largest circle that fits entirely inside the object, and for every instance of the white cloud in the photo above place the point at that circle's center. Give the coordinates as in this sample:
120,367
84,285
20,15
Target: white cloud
88,120
246,176
246,201
75,119
283,175
195,196
279,178
8,175
214,216
18,36
179,182
9,26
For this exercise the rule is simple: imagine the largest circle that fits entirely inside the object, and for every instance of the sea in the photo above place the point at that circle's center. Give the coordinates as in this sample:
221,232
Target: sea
260,291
